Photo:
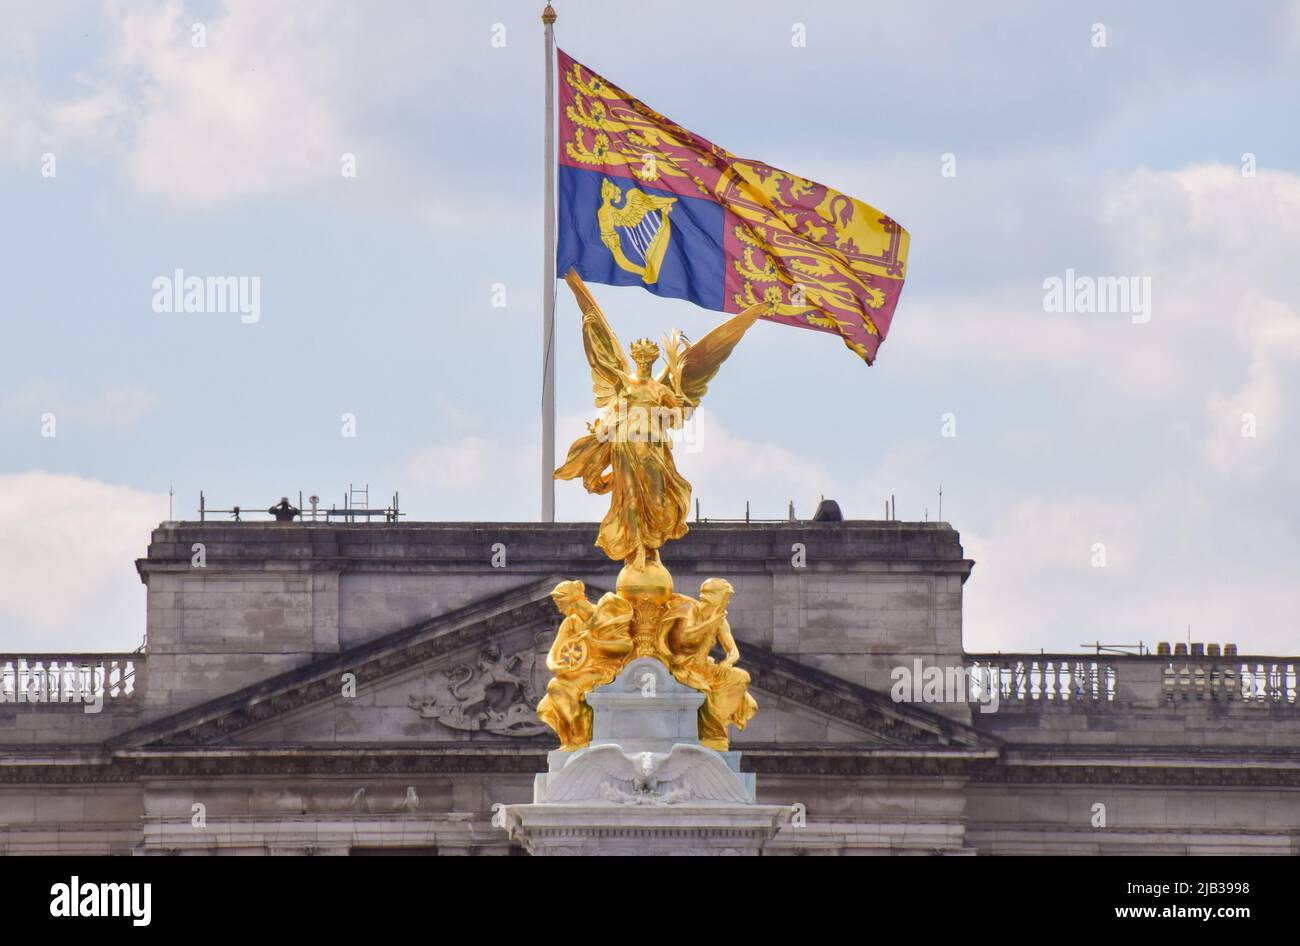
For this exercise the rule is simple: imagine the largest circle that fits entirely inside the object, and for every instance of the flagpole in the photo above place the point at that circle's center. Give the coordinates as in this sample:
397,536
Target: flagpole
548,279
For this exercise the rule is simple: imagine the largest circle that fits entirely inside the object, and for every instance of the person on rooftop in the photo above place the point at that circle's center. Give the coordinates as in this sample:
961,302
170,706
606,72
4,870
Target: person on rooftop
284,511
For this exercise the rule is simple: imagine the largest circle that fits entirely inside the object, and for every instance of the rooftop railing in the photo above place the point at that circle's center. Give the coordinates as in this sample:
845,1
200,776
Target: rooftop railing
1141,679
69,678
356,506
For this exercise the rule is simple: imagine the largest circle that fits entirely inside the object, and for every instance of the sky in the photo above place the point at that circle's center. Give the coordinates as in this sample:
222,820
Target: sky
1117,477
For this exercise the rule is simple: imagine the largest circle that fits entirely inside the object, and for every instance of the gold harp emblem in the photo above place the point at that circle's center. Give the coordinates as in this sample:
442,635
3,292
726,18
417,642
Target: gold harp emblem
640,225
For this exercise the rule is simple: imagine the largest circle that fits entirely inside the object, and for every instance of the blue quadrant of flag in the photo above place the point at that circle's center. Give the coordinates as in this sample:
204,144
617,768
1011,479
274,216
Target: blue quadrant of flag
692,265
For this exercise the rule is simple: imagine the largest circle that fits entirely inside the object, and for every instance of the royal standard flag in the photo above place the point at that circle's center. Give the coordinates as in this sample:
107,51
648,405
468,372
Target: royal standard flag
644,202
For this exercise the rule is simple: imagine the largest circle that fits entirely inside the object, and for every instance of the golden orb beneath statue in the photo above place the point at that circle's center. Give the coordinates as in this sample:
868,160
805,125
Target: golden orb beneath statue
648,584
648,588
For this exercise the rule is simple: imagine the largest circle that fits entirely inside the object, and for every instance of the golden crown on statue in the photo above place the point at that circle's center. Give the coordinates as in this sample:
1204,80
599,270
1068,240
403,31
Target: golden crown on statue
644,349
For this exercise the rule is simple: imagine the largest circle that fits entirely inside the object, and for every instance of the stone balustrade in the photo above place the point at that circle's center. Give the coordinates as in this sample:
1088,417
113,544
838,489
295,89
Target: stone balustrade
1085,680
70,678
1019,678
1257,680
1033,678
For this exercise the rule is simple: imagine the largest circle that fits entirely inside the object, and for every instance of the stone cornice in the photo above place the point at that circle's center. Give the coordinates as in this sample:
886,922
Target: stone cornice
1145,765
1138,755
536,548
1241,776
974,765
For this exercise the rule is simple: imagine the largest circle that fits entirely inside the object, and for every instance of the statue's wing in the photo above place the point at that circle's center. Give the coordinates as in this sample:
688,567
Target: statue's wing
701,773
582,777
608,363
701,361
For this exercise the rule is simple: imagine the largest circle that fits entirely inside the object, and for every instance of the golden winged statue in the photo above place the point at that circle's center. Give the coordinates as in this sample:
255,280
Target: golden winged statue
627,453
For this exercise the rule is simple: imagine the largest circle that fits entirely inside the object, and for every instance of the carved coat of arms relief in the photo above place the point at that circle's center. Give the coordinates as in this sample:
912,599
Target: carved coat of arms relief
496,692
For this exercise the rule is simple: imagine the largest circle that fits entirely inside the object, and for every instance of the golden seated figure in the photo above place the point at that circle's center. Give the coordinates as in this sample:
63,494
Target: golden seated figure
690,631
589,650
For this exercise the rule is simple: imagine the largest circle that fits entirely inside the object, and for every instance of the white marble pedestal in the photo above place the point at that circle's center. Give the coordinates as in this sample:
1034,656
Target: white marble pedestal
645,785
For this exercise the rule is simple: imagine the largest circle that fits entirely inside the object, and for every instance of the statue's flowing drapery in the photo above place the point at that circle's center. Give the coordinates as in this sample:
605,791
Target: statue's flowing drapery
651,500
628,453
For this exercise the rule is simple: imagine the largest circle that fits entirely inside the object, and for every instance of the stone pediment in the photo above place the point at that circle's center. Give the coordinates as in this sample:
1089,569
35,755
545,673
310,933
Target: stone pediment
474,675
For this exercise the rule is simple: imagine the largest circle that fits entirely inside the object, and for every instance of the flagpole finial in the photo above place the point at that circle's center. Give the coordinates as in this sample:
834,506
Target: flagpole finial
548,15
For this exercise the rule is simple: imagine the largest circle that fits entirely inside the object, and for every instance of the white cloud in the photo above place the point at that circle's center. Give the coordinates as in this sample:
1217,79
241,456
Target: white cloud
118,407
19,111
1263,406
1189,542
727,469
460,465
1176,555
259,109
268,106
67,562
255,110
476,475
1208,227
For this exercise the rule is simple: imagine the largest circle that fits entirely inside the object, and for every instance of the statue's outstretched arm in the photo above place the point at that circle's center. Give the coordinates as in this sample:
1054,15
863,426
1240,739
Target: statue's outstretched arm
727,643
